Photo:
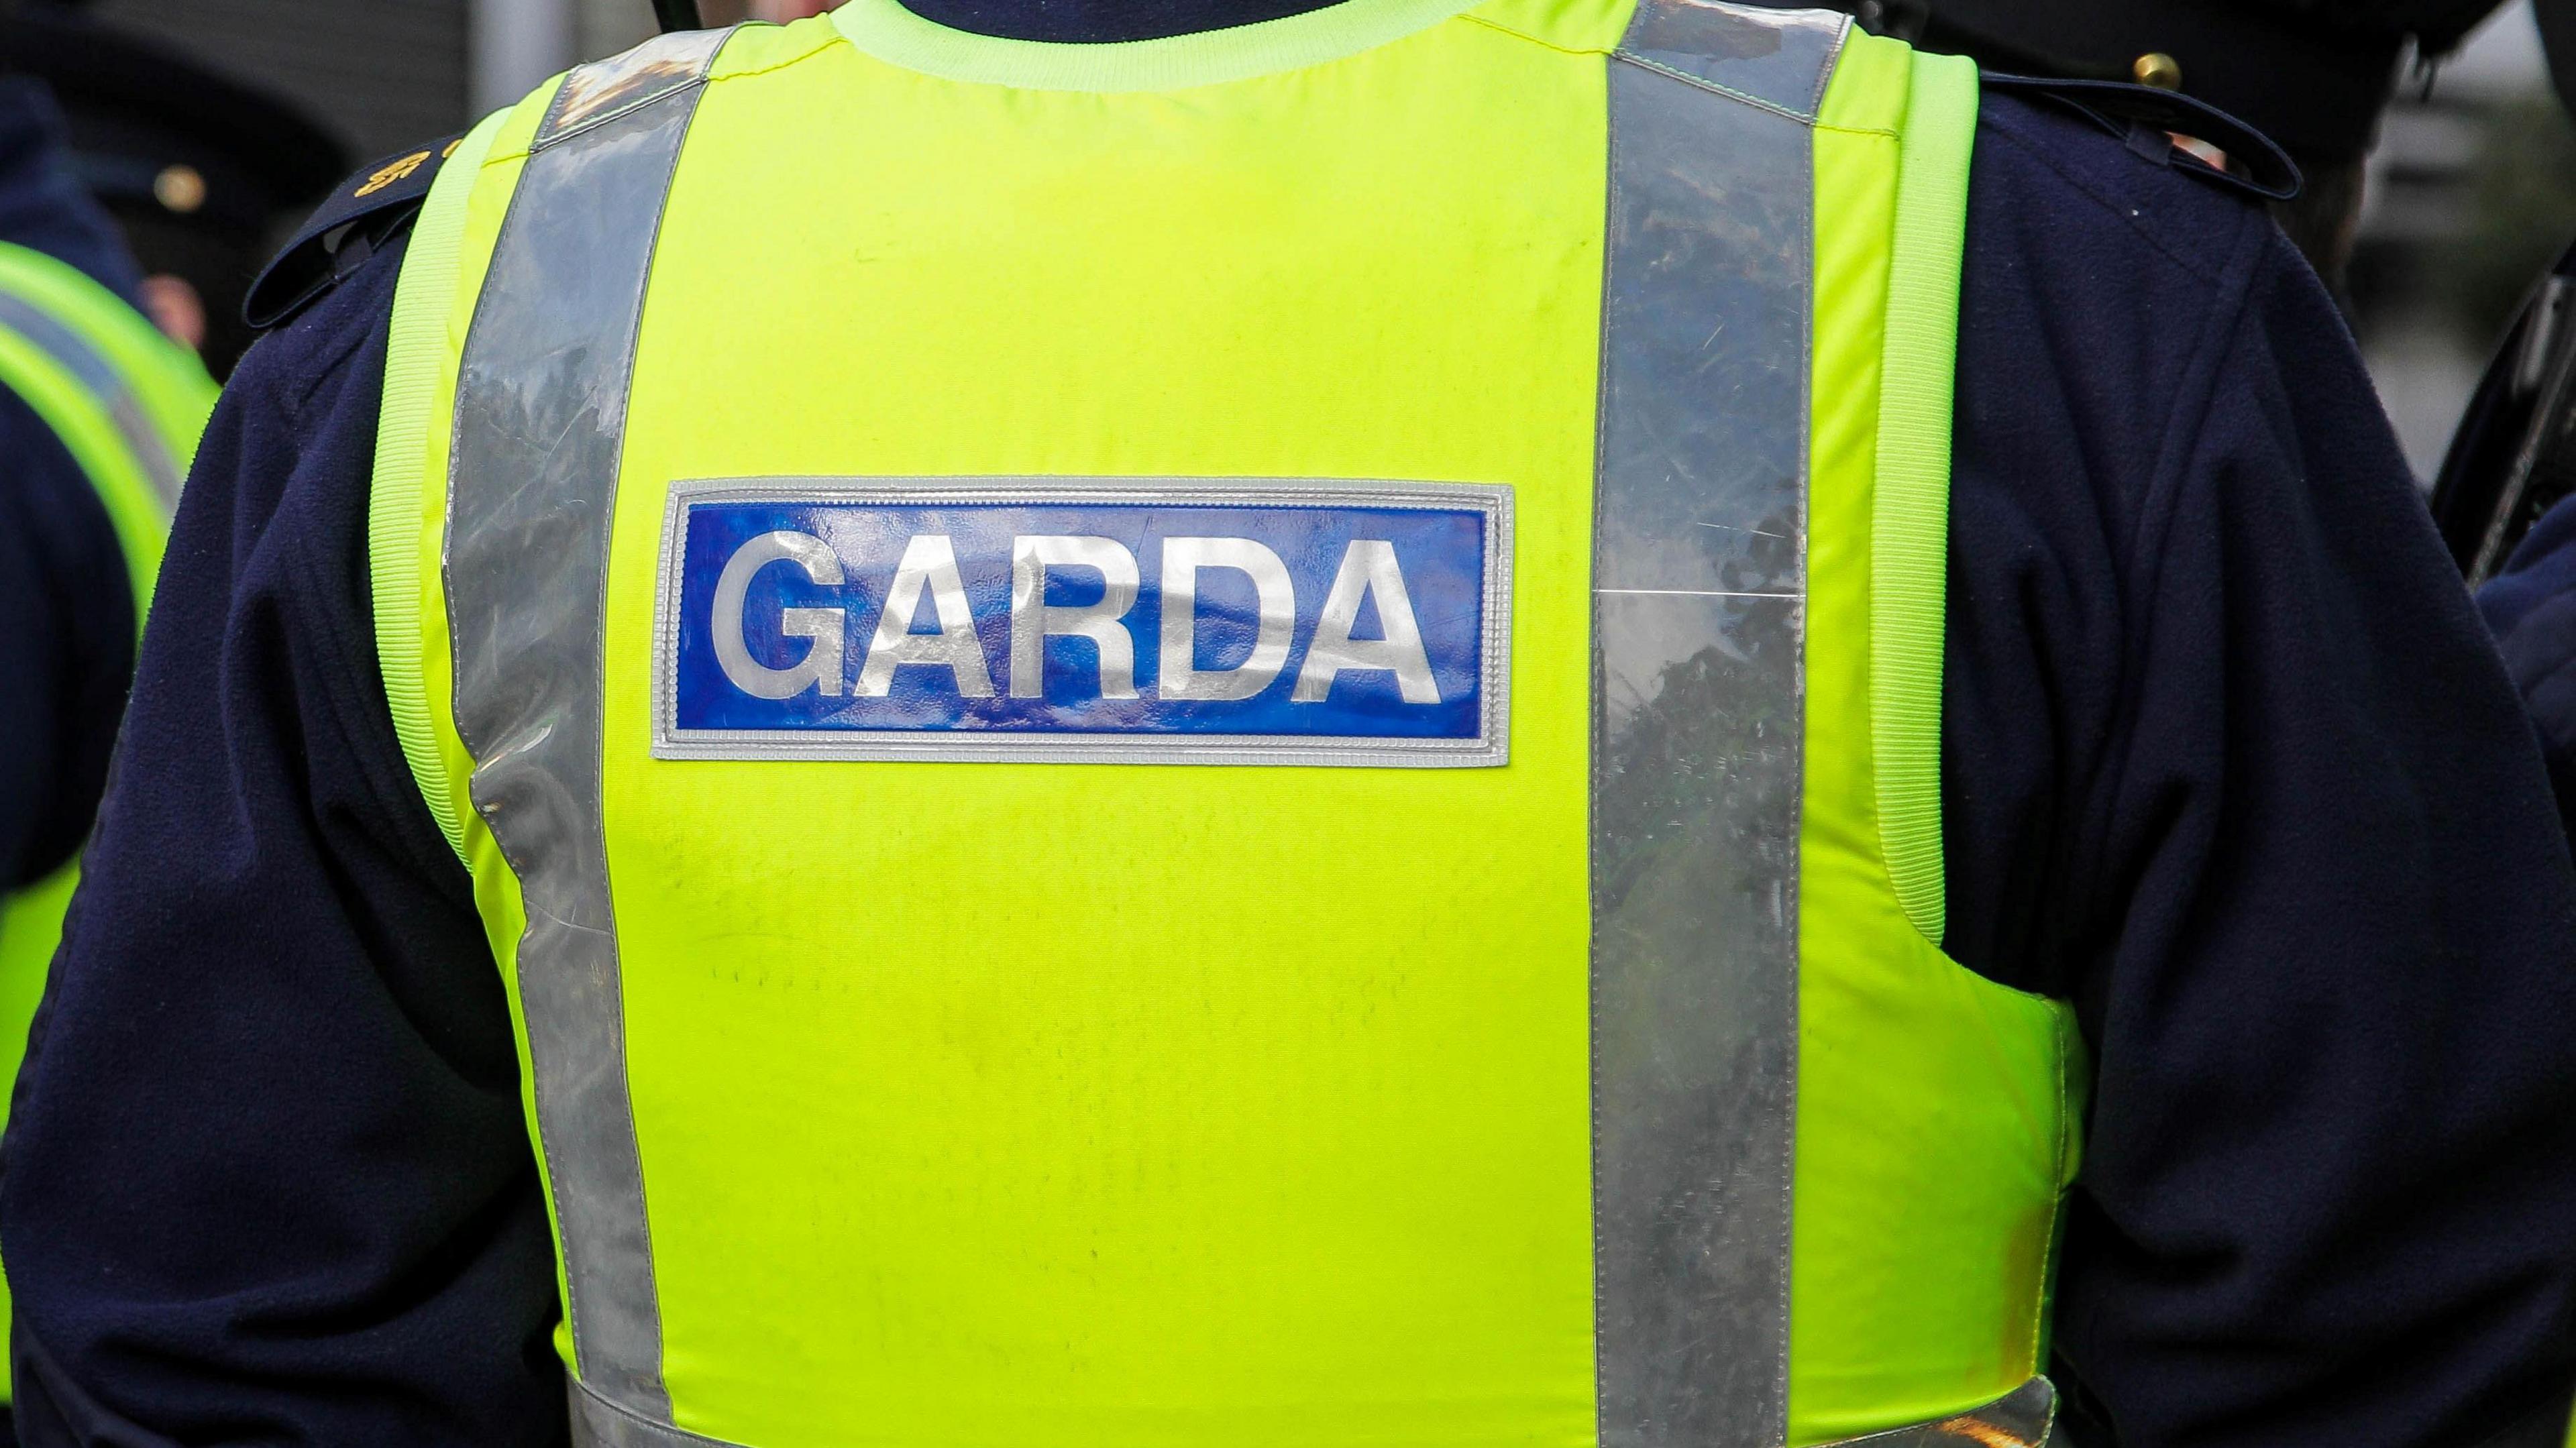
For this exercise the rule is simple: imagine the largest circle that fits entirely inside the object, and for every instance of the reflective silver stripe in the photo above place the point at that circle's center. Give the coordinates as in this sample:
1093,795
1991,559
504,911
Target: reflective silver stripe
1778,59
605,90
2026,1417
540,427
1699,574
150,450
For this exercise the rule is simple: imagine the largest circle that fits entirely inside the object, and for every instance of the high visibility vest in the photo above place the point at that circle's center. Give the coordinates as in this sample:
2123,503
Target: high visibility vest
128,405
1226,740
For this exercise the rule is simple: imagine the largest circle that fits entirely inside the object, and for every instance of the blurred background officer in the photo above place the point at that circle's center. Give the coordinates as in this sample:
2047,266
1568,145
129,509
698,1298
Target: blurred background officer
2312,77
2503,499
200,171
98,417
2224,781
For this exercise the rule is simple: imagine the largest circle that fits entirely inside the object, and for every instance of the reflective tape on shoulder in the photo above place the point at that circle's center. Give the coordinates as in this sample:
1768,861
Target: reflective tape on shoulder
532,485
1699,573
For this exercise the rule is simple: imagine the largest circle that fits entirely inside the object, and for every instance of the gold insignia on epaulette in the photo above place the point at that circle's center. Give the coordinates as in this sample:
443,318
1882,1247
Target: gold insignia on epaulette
393,173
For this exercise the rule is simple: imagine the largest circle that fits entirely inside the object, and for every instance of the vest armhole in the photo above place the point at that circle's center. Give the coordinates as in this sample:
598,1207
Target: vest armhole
1910,528
416,359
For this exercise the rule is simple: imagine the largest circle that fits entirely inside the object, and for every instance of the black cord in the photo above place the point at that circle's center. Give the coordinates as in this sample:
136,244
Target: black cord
678,15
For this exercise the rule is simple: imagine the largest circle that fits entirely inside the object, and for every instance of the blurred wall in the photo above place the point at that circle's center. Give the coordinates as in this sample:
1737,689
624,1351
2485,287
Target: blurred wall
385,73
2472,194
390,73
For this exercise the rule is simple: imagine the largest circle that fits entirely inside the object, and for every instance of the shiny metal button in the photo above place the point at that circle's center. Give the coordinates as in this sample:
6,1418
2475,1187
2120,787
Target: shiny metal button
2157,69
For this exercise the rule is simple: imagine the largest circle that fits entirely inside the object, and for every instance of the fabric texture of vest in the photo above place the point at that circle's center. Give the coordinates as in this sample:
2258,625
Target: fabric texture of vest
128,405
1604,1084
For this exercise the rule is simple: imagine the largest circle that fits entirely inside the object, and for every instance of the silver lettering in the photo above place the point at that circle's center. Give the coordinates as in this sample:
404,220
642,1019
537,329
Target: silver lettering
1368,567
1033,621
820,669
1182,560
928,560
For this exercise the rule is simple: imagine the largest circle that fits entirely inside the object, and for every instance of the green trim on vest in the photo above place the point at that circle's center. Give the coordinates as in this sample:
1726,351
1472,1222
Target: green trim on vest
423,300
128,405
1936,1110
1912,527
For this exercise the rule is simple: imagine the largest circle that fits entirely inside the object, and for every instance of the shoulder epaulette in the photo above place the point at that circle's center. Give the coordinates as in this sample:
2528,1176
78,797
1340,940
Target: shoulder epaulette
366,211
2147,118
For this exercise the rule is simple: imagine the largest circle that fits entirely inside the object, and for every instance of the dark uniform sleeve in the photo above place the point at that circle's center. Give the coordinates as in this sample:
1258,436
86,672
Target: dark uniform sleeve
267,1178
2232,766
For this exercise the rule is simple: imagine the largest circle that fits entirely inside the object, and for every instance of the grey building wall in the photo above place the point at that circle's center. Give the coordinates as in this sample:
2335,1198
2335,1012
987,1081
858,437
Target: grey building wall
609,26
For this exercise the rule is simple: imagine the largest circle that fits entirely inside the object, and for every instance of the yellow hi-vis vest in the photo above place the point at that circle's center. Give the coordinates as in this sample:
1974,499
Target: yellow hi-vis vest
1230,740
128,405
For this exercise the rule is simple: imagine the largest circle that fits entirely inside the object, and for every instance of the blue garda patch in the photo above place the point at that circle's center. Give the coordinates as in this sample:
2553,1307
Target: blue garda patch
1123,621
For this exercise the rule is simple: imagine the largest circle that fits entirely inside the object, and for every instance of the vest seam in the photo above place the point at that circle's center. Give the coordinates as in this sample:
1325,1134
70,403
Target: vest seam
1784,1365
1806,118
1519,34
481,813
1888,132
1825,74
1596,736
1713,88
773,67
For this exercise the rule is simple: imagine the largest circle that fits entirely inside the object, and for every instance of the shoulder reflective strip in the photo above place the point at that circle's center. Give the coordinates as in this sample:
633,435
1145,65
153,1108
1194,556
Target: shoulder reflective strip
1699,572
601,92
540,427
1775,58
118,400
598,1423
2024,1418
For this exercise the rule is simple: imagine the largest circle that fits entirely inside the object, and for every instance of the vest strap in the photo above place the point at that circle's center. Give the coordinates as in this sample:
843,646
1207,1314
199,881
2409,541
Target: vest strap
532,485
1699,577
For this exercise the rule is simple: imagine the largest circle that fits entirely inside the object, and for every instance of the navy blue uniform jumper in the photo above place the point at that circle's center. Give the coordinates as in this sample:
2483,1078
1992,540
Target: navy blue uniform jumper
2228,761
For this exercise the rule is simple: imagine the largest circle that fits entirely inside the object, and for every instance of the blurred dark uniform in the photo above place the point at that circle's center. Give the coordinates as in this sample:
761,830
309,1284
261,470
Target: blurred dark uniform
203,173
156,184
98,417
2312,75
2506,497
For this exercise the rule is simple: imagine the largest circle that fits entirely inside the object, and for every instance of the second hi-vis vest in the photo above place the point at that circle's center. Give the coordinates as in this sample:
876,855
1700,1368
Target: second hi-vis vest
128,405
1230,740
